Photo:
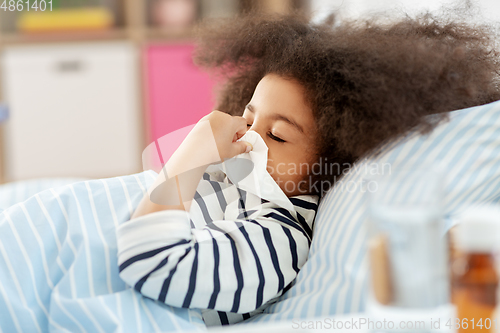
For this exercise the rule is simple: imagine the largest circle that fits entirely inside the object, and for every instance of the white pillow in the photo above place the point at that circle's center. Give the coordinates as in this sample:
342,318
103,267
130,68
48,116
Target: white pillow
334,279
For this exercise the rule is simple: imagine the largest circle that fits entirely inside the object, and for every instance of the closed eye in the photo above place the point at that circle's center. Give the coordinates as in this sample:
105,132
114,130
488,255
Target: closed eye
274,137
269,134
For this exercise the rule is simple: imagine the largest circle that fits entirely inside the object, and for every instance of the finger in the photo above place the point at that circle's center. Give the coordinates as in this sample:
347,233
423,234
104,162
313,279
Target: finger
241,147
240,126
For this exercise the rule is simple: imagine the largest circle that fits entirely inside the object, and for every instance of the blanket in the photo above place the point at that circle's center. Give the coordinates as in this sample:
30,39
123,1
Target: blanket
58,263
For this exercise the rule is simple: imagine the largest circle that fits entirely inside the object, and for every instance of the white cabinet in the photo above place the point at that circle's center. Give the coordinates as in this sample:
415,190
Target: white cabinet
74,110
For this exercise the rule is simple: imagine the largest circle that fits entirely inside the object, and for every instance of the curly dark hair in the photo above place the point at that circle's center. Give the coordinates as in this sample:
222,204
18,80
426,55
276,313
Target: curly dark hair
367,81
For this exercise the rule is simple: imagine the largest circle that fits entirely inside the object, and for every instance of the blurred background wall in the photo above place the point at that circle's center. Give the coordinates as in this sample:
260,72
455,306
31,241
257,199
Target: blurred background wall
489,9
86,85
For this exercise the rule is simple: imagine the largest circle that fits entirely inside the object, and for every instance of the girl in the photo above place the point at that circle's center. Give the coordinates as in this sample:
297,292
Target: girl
237,248
205,237
321,94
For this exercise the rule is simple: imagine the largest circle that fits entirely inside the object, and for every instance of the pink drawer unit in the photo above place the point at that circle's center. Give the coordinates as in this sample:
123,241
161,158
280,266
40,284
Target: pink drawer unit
178,92
178,95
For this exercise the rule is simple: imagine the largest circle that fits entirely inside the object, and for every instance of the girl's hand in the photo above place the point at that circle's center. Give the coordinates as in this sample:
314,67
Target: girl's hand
212,140
226,130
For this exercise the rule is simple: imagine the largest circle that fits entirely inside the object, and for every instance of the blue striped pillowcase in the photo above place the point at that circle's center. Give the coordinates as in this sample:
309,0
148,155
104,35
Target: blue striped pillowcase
334,279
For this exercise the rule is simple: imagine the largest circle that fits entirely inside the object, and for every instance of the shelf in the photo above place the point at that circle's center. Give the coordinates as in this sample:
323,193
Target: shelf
155,34
133,26
147,35
20,38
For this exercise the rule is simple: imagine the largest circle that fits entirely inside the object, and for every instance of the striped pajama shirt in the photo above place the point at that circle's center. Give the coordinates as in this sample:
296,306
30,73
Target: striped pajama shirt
232,255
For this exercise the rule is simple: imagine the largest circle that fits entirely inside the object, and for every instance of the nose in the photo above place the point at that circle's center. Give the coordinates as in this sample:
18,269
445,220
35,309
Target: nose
258,130
257,127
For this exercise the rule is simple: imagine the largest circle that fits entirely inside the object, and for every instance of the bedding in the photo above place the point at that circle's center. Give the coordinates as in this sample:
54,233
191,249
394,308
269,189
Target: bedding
334,280
14,192
40,248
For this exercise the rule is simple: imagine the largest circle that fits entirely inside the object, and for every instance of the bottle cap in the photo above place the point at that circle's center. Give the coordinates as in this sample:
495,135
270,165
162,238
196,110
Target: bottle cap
478,229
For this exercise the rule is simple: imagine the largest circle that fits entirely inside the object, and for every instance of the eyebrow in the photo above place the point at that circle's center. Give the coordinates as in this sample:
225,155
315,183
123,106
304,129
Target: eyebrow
279,117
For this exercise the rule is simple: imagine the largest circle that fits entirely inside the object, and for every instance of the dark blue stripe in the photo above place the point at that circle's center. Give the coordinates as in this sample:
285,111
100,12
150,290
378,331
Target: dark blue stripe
166,283
245,214
140,283
215,293
241,202
274,258
237,268
302,222
243,194
220,196
293,249
290,285
223,318
206,176
263,201
148,254
246,316
304,204
285,212
260,271
192,279
289,222
274,255
203,207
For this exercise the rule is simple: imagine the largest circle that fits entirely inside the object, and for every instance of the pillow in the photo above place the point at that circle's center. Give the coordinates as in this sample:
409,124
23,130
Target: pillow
334,280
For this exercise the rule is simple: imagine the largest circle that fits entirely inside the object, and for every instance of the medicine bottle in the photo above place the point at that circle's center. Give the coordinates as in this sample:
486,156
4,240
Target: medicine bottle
474,272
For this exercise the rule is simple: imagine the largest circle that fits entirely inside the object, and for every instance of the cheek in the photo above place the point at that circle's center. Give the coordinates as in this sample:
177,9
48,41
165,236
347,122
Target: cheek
273,164
270,166
287,166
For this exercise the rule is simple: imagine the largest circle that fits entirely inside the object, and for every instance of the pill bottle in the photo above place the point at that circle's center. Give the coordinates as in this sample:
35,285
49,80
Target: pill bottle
474,271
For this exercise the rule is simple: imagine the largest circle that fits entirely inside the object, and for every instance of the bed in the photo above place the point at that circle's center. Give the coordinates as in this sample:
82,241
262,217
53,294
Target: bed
333,282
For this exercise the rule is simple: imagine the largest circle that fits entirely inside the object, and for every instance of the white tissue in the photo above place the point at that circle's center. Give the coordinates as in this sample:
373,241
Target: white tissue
258,182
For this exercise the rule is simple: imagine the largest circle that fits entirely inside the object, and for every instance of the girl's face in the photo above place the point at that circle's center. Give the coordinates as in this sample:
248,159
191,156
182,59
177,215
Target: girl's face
279,113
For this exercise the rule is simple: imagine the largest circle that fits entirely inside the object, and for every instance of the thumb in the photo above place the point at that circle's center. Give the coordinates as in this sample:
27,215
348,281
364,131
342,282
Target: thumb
241,147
